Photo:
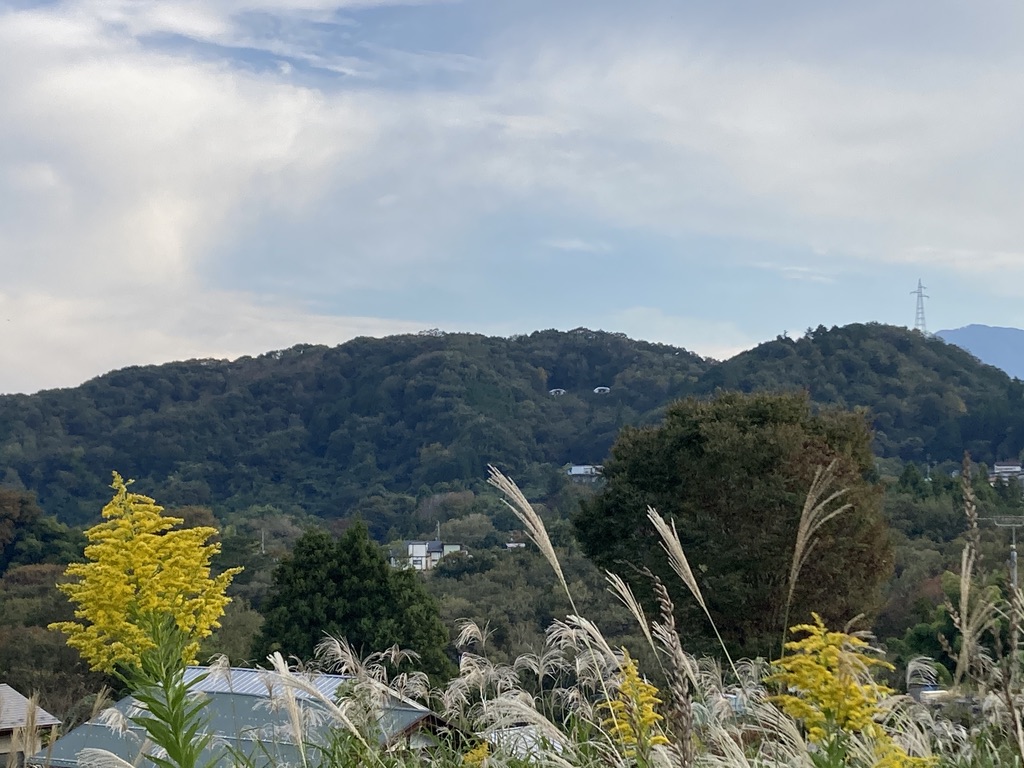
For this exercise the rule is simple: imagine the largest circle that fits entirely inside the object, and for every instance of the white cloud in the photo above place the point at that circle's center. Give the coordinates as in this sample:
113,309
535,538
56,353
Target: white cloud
795,272
126,170
576,244
128,166
58,340
720,340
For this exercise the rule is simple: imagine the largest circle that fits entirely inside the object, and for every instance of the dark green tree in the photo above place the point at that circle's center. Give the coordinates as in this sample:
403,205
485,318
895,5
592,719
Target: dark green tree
345,588
28,536
733,473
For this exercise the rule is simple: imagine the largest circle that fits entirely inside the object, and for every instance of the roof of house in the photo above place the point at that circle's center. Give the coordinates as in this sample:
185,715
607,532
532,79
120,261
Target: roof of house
14,711
432,546
245,715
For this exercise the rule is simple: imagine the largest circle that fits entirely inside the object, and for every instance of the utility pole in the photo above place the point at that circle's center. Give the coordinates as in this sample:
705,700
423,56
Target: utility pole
919,324
1013,522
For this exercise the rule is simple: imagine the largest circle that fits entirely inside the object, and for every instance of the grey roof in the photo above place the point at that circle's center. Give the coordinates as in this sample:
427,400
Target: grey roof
242,717
14,710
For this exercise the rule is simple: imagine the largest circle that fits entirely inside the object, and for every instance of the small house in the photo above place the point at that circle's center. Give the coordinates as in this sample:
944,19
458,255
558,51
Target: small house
1006,472
424,555
584,473
20,726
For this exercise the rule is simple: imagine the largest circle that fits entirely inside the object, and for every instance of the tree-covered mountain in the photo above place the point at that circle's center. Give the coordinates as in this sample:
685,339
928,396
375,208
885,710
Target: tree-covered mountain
1001,347
929,400
325,429
367,426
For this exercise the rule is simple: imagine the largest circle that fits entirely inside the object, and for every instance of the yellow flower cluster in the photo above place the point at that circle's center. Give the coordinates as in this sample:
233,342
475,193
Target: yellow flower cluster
141,570
828,683
477,755
888,754
829,687
633,721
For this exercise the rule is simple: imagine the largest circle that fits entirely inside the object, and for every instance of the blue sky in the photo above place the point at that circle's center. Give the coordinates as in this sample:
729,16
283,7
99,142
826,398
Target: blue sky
204,178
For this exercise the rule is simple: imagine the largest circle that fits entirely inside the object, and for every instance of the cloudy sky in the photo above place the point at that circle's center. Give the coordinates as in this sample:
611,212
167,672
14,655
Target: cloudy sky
208,178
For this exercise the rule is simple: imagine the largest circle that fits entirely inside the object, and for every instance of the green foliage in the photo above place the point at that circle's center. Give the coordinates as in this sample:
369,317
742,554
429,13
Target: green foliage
28,536
323,429
33,659
733,473
345,588
173,717
929,400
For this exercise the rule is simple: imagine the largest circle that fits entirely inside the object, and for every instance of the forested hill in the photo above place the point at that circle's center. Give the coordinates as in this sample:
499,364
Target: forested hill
928,399
367,425
322,429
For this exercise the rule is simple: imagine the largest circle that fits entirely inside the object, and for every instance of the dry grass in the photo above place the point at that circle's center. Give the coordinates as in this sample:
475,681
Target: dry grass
547,708
818,509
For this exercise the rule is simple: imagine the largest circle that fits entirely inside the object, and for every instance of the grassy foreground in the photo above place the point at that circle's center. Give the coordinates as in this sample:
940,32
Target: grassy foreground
581,702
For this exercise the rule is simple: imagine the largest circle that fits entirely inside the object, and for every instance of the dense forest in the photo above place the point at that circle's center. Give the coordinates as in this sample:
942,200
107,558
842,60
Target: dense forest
363,427
398,432
325,429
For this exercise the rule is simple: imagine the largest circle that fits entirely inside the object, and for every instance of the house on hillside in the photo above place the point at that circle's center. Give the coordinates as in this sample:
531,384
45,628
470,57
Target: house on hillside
247,717
423,555
584,473
1006,472
20,727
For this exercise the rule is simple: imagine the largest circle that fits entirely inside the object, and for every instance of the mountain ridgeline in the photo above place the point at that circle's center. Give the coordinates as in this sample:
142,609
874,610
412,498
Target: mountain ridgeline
322,429
325,429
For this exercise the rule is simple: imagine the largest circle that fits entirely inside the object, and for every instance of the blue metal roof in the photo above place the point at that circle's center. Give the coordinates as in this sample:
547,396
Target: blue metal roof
243,717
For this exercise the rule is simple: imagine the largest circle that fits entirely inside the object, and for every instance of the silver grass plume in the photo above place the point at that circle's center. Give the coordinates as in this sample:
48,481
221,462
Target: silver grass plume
549,663
972,617
25,737
91,757
292,682
677,559
115,720
813,516
514,499
621,590
679,673
472,634
921,672
908,723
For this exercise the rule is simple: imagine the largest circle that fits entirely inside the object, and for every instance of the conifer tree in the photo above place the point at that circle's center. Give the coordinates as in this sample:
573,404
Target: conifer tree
345,588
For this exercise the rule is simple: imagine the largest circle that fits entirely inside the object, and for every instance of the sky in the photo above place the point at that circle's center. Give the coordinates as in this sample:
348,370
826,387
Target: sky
204,178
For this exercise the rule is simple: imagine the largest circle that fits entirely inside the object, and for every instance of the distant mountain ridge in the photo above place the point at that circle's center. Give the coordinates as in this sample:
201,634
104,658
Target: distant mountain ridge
1001,347
366,427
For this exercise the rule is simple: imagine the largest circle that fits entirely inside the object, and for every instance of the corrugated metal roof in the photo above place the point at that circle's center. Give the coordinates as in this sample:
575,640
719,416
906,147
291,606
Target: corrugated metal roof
243,717
256,682
14,710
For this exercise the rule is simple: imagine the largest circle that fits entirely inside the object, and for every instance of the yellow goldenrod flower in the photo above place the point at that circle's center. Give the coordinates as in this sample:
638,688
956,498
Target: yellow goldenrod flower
828,683
140,570
477,755
632,719
829,688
